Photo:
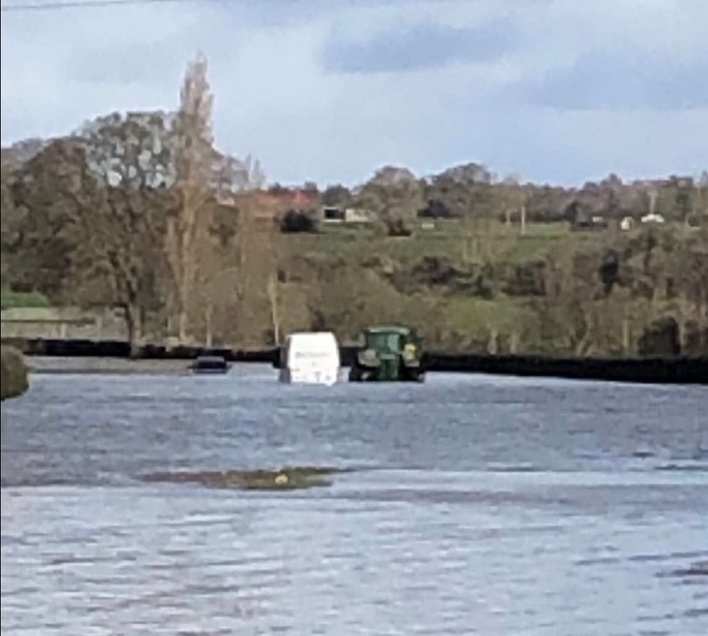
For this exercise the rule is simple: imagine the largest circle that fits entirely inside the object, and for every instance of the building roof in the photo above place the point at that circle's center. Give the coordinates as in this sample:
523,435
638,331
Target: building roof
389,329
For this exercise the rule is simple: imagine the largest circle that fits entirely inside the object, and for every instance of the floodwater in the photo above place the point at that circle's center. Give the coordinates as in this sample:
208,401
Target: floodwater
478,505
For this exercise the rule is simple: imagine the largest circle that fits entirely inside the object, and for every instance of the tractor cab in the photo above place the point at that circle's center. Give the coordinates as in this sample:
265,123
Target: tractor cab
388,353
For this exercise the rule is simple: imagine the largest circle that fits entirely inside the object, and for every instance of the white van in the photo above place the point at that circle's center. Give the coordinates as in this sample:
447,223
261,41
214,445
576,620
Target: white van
310,358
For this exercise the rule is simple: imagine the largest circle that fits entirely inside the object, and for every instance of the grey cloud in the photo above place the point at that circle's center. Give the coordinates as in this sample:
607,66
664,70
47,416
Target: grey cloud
601,81
290,12
274,12
423,45
48,57
115,63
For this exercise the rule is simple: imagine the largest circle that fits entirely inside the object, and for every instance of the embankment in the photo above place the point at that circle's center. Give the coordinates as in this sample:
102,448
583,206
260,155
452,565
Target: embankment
656,370
120,349
13,375
659,370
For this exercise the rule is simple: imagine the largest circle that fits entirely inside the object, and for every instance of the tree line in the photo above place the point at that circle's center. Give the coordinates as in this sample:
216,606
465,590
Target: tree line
397,198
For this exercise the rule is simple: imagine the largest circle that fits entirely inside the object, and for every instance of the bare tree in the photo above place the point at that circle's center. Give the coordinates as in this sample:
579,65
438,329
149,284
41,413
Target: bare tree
513,201
236,296
256,251
194,159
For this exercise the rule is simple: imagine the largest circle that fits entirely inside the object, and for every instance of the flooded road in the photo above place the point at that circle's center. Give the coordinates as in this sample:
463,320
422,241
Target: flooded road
477,505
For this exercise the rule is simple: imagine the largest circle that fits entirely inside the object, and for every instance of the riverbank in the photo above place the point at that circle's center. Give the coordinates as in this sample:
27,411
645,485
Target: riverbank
112,357
654,370
13,375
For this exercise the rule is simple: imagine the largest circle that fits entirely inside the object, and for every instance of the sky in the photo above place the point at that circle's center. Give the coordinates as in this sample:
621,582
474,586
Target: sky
556,91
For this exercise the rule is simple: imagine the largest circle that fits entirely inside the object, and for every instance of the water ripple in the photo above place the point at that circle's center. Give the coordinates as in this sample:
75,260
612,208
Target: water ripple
479,505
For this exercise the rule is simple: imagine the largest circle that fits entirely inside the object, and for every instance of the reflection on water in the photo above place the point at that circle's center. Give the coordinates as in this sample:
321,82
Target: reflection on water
476,505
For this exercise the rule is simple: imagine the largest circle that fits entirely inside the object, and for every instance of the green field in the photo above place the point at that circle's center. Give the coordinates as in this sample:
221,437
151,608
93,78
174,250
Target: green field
10,299
489,242
440,312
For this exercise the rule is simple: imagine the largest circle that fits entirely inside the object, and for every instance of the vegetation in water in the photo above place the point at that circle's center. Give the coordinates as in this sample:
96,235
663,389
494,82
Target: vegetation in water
13,375
286,478
699,568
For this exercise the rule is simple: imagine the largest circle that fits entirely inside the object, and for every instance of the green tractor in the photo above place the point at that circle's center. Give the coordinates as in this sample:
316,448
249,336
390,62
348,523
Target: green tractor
388,354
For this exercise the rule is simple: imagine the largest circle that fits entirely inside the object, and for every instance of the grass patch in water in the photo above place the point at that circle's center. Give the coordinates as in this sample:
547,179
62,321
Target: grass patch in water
699,568
286,478
13,373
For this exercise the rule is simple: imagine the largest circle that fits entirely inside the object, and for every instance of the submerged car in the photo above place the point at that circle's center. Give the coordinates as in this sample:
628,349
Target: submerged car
210,364
388,354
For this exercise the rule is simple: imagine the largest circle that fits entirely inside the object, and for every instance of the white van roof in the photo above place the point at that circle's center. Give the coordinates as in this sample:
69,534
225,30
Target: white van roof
312,337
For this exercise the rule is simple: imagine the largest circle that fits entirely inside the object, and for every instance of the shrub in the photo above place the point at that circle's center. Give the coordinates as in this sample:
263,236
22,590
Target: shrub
13,374
298,221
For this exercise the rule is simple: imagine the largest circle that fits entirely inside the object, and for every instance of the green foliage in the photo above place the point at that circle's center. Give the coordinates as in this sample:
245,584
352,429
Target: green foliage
394,196
11,299
298,221
13,374
286,478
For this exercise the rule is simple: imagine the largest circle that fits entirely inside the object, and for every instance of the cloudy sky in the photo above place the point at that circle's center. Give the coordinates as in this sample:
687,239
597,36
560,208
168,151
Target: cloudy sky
560,91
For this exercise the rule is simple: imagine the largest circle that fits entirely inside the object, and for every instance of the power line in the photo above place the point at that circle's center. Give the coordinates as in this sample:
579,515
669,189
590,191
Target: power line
78,4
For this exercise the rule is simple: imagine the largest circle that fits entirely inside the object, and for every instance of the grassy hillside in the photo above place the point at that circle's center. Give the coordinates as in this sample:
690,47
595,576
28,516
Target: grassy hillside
482,287
487,287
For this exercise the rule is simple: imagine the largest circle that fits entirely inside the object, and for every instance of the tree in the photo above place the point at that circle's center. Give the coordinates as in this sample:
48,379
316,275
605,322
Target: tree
9,233
513,200
469,173
693,267
230,175
545,203
121,213
209,224
683,201
394,196
13,219
465,192
349,298
337,196
297,221
194,164
700,200
39,202
251,268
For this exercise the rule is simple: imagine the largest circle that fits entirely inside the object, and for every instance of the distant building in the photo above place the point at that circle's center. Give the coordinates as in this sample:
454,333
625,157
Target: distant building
653,218
582,220
330,214
268,205
627,223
